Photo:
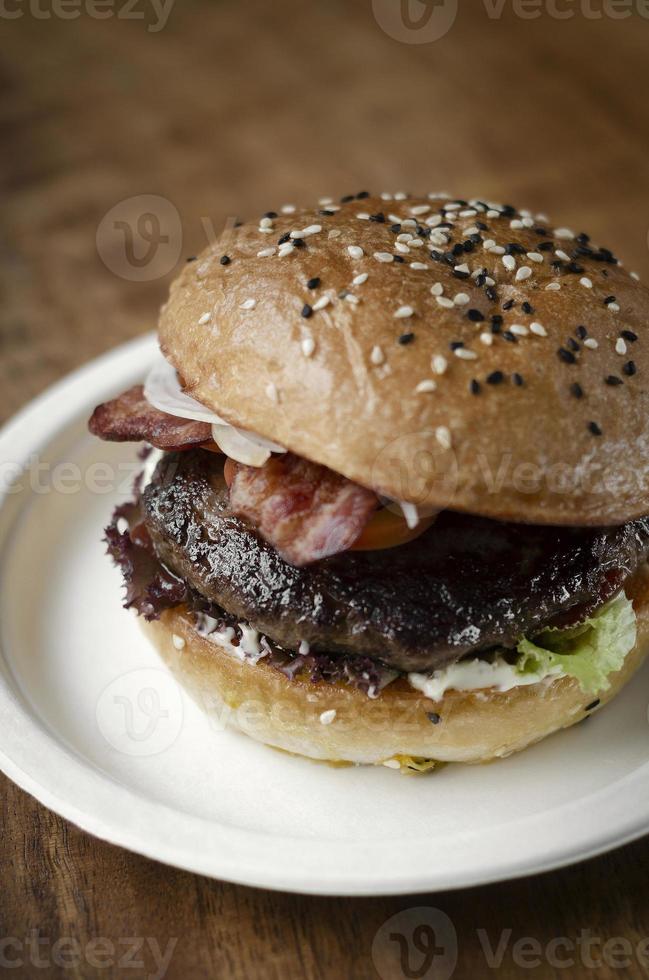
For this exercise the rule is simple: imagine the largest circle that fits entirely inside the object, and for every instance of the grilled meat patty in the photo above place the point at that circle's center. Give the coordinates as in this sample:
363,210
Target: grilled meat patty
466,585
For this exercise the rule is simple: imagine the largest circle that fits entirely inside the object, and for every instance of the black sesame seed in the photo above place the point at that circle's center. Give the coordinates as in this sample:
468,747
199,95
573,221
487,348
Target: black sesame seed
583,238
575,268
271,214
225,260
630,369
406,338
511,337
362,195
399,258
326,213
508,305
594,428
609,299
285,238
576,390
613,380
474,387
527,308
457,250
190,258
572,344
629,335
517,379
313,283
567,356
475,316
495,378
347,198
545,246
593,705
395,228
307,311
581,332
379,217
299,242
481,225
461,275
456,344
433,717
496,320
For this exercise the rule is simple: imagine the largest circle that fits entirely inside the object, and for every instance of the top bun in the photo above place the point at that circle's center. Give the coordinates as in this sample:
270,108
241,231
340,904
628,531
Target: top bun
444,353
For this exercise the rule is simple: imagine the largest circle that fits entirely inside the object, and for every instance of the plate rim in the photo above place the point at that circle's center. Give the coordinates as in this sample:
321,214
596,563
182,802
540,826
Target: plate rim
242,857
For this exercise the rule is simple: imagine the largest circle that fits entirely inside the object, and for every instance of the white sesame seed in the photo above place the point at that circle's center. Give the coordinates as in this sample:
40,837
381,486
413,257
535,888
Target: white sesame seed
404,312
538,329
420,266
265,231
443,436
560,254
613,307
311,230
439,364
433,220
286,249
516,224
401,247
519,330
528,222
535,257
465,355
363,216
493,214
271,392
634,275
350,298
248,304
523,273
509,262
427,385
392,764
408,222
324,201
266,252
321,303
334,233
308,346
296,233
585,281
553,286
420,209
497,250
205,318
327,717
384,257
178,641
487,339
437,289
591,343
360,279
452,206
400,196
266,223
462,268
563,233
488,243
416,243
461,299
447,304
377,356
620,346
404,237
489,281
385,196
288,208
471,213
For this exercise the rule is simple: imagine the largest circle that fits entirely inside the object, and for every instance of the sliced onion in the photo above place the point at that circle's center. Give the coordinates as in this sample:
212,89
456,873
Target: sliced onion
162,390
410,514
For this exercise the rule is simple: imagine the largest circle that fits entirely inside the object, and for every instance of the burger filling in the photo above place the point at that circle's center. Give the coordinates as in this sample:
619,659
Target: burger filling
293,563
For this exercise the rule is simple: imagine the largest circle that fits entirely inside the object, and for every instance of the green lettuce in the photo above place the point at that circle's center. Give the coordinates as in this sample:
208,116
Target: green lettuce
589,652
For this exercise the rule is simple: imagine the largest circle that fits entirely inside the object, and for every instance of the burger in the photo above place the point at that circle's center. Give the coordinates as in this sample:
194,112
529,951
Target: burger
394,502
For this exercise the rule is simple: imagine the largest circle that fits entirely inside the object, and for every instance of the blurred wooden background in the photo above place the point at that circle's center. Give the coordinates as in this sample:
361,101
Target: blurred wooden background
232,108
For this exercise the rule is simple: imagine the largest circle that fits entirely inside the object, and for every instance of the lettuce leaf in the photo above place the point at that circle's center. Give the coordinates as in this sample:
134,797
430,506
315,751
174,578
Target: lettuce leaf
589,652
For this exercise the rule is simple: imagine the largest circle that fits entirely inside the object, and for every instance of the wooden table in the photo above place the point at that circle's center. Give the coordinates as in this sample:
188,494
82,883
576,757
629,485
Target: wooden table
233,108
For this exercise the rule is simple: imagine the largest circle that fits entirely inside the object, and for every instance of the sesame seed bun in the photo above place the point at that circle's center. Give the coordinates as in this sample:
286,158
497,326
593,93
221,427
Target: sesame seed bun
397,363
339,724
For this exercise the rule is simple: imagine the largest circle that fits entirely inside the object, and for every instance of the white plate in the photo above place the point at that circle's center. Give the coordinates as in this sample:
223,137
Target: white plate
95,729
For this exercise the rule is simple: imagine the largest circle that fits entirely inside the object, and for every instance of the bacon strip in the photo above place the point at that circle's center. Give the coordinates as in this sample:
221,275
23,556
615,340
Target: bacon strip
131,418
305,511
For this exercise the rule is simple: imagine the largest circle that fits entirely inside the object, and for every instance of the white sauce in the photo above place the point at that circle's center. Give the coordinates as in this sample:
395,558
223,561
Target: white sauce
475,675
249,648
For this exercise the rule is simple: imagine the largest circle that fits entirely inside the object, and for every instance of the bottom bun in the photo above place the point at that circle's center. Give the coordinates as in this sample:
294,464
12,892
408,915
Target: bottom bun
339,724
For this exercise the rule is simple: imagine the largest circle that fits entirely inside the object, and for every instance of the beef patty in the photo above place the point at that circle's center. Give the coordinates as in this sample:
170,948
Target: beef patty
466,585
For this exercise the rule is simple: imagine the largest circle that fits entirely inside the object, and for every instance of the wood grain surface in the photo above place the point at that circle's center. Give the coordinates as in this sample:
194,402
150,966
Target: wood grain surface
233,108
